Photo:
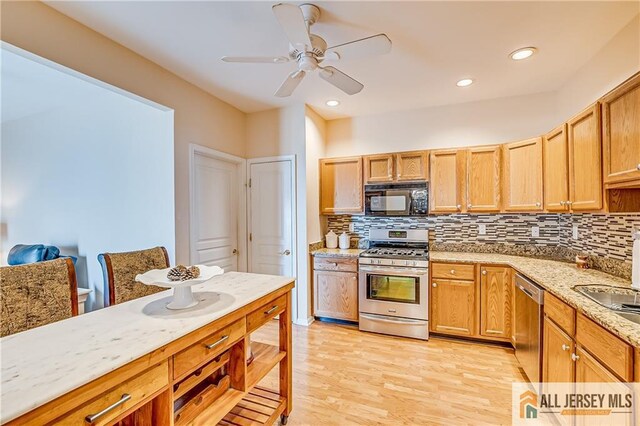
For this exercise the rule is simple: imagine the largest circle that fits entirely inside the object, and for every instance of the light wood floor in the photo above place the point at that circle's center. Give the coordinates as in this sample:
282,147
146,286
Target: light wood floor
343,377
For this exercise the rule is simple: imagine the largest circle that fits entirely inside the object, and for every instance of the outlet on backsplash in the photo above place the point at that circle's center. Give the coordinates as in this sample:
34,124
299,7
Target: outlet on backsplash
351,227
482,229
535,231
574,232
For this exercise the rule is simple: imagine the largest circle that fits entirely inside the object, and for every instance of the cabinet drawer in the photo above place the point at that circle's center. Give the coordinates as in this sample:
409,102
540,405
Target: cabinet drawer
138,389
453,271
615,354
345,264
265,312
206,349
561,313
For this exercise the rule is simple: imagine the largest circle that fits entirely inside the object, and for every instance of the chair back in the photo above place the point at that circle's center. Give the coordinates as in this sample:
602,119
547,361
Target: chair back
36,294
120,270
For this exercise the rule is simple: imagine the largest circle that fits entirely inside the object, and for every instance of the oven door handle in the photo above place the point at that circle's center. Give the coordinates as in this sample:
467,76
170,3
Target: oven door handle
393,321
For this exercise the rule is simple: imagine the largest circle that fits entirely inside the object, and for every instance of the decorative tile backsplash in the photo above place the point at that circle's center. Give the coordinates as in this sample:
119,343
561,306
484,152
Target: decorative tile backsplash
599,235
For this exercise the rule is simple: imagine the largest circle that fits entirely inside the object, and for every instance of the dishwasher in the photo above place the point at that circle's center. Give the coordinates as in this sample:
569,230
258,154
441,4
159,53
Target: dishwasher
529,304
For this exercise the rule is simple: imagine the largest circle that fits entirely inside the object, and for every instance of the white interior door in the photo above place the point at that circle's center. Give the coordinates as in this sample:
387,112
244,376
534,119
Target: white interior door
271,227
215,204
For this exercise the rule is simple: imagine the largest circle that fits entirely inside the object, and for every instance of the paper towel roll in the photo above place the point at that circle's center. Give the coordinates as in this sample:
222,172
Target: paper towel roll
635,262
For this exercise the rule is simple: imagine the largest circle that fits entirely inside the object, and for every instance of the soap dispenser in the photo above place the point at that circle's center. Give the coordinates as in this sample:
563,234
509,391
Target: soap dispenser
635,260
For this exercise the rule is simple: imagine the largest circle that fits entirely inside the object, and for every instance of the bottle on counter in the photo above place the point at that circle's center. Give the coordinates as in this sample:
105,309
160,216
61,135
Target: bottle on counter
344,241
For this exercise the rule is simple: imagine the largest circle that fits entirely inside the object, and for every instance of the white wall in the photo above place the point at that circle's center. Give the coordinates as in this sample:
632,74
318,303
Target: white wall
88,169
475,123
617,60
277,132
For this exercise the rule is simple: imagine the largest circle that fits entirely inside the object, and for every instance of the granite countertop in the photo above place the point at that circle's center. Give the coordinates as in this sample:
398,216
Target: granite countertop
41,364
559,278
327,252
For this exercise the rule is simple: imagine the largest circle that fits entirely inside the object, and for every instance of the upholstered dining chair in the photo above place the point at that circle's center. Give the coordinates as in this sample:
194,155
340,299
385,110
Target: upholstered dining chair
120,270
36,294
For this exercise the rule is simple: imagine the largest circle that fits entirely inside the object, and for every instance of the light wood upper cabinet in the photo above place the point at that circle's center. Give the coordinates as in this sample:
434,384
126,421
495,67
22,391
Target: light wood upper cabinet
453,307
483,179
621,134
447,183
379,168
555,158
522,171
495,301
336,295
398,167
557,347
585,160
412,166
341,188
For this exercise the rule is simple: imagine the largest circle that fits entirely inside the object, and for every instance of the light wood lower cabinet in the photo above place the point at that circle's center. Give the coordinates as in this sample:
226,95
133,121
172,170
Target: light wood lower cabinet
453,307
495,301
336,295
557,348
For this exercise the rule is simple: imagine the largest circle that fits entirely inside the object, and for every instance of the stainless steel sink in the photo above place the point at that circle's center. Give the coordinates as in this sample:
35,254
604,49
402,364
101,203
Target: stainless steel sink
623,301
612,297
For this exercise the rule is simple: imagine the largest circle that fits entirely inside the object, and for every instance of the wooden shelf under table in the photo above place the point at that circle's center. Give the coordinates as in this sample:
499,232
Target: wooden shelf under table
265,358
260,406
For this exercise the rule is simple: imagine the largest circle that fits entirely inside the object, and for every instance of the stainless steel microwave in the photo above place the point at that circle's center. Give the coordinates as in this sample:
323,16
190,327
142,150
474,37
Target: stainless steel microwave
396,199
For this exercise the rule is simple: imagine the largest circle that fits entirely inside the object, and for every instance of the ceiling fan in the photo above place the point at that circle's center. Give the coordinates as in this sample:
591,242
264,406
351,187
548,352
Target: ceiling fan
310,50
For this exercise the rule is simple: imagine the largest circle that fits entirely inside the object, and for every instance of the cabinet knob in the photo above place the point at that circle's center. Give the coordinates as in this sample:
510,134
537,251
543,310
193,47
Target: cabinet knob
459,207
569,203
435,284
538,204
484,272
638,167
565,347
575,357
562,203
452,272
469,206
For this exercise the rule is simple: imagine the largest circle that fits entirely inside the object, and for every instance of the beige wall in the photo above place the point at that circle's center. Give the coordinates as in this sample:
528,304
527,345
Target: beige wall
316,134
616,61
474,123
199,117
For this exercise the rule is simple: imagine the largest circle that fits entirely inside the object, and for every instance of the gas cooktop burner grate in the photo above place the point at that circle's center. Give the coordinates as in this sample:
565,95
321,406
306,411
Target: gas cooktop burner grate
396,252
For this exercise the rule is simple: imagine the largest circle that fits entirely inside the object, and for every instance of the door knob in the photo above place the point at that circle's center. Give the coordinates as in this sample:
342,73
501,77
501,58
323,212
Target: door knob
235,251
565,347
287,252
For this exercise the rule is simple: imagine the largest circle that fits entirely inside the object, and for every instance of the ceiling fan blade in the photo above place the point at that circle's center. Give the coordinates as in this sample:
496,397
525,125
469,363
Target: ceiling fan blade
374,45
342,81
290,84
256,59
292,21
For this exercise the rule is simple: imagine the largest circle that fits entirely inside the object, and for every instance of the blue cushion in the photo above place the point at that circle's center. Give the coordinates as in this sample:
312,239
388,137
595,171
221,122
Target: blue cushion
23,253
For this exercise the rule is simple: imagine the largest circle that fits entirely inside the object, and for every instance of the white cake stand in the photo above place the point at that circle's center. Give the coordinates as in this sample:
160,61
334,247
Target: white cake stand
182,293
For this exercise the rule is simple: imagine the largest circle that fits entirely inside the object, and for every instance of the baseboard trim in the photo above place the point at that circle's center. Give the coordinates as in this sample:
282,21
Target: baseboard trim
305,322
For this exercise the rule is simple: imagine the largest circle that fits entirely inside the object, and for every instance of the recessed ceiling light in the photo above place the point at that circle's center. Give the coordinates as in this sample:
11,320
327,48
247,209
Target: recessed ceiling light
464,82
523,53
333,103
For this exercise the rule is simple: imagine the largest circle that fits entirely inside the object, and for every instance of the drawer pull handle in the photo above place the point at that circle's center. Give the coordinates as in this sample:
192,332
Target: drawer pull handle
91,418
271,310
216,343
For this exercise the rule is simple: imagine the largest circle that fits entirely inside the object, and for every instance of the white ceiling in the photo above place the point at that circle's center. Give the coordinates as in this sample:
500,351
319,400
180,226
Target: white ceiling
434,45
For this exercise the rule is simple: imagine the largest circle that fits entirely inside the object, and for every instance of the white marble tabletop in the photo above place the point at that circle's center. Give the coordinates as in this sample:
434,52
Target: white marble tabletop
44,363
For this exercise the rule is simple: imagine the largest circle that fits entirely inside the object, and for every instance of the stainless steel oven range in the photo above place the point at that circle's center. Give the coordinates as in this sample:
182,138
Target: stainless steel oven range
393,283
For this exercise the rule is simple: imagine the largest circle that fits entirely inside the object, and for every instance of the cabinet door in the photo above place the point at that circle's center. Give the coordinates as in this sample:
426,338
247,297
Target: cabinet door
585,160
336,295
412,166
483,179
447,170
341,185
453,307
555,157
523,175
621,132
495,302
557,347
378,168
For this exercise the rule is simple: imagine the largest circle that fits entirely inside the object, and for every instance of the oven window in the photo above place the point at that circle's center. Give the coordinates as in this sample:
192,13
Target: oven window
388,203
393,288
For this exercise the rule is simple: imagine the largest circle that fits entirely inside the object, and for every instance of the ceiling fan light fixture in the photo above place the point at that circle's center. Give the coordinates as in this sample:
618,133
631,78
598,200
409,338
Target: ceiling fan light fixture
464,82
522,53
332,103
